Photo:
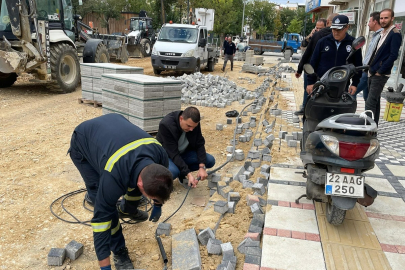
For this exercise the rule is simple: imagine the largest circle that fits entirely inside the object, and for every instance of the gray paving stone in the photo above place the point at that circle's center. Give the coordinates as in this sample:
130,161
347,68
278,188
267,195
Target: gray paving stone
74,250
164,228
256,251
205,235
214,246
221,207
56,256
227,249
252,259
256,209
186,251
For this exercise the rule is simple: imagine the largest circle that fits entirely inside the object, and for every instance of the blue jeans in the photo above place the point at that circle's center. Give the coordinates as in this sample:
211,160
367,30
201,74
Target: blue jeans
304,101
363,86
190,158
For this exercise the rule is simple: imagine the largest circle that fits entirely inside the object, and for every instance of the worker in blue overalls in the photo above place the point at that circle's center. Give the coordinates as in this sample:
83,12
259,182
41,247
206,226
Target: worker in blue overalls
116,158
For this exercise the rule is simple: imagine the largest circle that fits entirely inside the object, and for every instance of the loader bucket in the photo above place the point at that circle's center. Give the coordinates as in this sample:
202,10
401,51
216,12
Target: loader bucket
134,51
12,61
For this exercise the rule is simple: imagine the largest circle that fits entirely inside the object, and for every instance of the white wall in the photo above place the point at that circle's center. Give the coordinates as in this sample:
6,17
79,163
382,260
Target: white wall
399,8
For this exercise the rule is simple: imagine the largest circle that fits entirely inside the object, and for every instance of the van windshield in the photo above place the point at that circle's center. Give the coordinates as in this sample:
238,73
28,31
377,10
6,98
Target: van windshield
171,34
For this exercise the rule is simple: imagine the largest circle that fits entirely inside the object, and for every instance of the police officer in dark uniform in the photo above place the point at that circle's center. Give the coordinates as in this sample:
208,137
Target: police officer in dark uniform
332,51
117,158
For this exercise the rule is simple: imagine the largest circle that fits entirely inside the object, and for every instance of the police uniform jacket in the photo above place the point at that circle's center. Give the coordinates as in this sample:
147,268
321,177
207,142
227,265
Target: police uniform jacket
118,151
327,55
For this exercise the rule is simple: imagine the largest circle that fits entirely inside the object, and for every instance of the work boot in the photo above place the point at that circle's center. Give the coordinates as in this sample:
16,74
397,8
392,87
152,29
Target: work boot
122,260
223,69
88,200
299,112
138,215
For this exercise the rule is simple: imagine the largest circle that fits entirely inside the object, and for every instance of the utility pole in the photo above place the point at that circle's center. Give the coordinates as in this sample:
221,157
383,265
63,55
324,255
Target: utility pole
163,11
243,18
188,11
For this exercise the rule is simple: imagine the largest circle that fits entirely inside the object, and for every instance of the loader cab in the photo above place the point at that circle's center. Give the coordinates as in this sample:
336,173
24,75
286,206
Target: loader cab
144,26
5,26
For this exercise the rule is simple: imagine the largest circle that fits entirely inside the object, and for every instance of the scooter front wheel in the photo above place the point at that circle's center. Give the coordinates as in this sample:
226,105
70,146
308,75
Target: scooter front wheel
334,215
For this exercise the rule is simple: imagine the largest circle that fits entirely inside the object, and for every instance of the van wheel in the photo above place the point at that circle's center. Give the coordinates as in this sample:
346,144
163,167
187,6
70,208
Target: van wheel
334,215
156,71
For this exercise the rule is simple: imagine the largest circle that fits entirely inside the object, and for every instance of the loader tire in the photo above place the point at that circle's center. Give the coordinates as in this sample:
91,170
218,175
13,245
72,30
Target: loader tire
65,68
146,48
7,79
334,215
102,55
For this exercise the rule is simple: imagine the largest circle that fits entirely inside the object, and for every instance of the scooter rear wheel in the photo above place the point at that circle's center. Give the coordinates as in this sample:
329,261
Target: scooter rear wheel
334,215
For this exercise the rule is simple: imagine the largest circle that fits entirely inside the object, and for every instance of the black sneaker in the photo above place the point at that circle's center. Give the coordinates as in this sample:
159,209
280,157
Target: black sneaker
222,69
122,260
88,200
139,216
300,112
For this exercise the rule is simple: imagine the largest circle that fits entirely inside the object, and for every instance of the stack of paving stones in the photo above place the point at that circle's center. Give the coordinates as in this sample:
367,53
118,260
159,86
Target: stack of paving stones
251,59
73,250
211,91
252,69
240,56
91,77
143,100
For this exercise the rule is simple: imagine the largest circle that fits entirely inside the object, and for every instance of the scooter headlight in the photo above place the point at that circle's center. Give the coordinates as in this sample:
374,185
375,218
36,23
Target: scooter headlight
374,146
154,51
189,53
331,143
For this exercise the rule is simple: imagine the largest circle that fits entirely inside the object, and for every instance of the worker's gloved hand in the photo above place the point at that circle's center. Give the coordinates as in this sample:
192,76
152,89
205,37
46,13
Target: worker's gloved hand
106,267
156,212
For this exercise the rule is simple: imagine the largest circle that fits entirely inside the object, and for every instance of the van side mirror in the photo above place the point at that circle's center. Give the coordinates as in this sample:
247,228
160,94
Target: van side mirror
202,42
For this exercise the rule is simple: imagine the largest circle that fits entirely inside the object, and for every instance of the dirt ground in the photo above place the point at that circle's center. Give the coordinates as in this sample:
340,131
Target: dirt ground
36,126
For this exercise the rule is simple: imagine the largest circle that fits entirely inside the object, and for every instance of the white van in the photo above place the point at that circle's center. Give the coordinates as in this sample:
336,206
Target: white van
182,47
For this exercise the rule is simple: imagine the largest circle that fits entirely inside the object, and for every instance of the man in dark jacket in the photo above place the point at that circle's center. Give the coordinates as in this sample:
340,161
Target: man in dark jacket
229,53
320,24
332,51
180,135
117,158
306,57
382,61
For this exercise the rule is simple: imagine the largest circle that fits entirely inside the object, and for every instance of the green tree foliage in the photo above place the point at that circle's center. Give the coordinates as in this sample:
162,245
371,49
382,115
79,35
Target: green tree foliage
277,25
260,15
295,26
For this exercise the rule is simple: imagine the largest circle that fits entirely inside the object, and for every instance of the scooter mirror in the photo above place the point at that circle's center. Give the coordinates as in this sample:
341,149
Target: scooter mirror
358,43
308,69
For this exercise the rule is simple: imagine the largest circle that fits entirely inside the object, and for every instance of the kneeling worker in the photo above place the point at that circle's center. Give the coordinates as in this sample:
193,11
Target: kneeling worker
115,157
180,135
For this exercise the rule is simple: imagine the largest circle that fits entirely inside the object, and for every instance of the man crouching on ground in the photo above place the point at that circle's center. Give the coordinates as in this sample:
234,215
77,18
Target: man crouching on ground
117,158
180,135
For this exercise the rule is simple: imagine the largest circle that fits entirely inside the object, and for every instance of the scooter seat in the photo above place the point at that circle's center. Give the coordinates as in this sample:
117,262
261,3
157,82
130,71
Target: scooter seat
352,120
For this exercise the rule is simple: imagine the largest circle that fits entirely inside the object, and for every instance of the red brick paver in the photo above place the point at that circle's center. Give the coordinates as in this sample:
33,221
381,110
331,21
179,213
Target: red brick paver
389,248
298,235
283,203
249,266
284,233
270,231
400,249
308,206
312,237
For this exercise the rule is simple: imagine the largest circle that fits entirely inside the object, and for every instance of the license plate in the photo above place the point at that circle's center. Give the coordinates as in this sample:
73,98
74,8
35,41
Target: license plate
170,67
344,185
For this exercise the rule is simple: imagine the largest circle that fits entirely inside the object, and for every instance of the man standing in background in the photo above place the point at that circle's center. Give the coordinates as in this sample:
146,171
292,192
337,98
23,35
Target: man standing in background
382,61
229,53
373,25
